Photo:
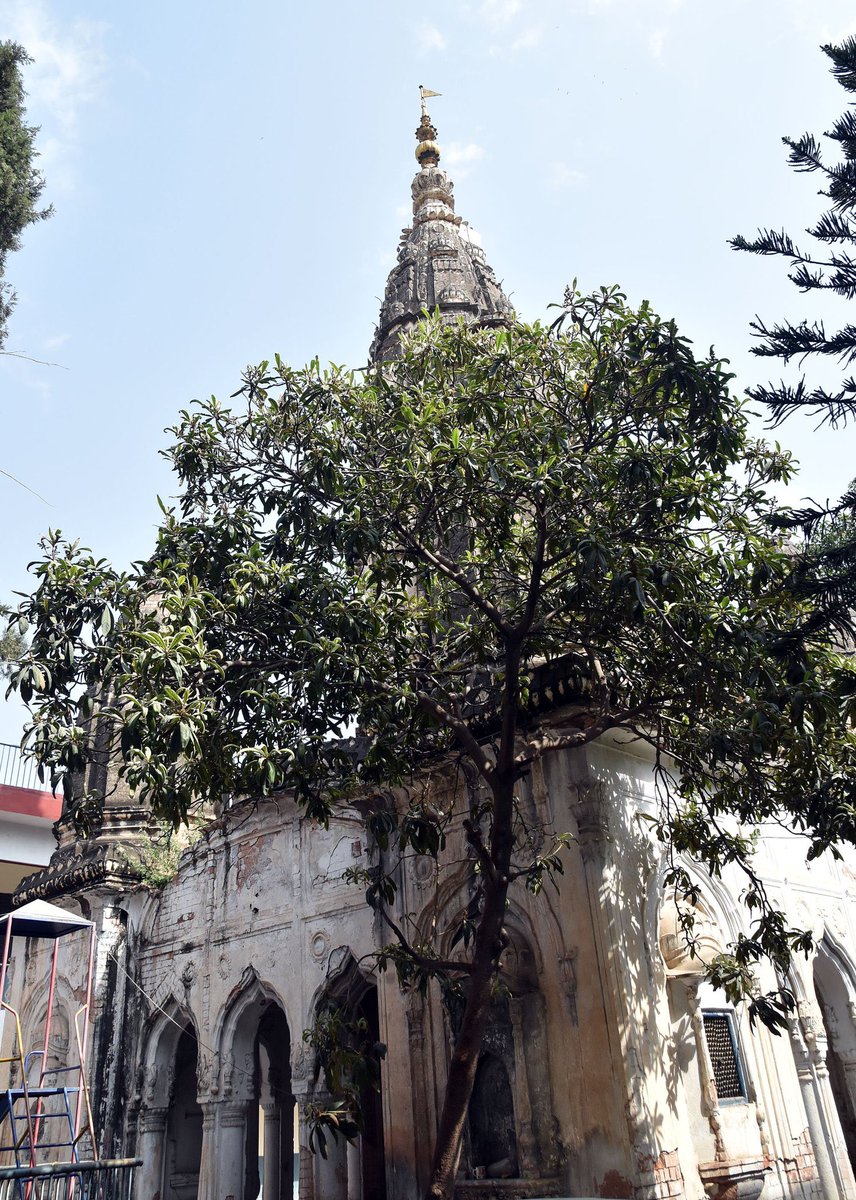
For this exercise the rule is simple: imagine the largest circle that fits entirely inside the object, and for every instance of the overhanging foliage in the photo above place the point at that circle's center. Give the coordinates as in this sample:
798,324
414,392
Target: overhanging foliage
402,554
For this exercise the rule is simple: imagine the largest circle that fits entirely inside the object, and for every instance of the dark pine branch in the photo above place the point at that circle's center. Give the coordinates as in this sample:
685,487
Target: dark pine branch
787,341
805,153
768,241
784,400
833,226
844,132
825,569
843,63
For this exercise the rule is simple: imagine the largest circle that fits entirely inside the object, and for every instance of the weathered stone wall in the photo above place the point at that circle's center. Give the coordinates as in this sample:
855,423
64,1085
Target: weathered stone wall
600,1040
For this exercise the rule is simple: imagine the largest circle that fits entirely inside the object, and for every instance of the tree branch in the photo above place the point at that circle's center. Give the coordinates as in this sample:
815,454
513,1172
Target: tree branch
462,732
422,960
537,748
449,568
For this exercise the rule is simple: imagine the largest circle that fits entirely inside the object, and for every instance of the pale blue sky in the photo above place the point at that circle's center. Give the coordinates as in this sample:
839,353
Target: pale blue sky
230,181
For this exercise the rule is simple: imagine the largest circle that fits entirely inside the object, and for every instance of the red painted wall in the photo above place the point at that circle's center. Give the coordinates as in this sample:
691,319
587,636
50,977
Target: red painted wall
29,802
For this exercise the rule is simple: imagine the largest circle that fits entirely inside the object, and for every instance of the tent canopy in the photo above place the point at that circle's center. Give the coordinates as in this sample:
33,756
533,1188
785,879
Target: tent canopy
41,920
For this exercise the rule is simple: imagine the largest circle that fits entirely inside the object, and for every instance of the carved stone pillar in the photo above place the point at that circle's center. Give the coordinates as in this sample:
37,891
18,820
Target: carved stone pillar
355,1170
231,1138
306,1169
848,1062
151,1141
815,1040
592,821
709,1094
272,1138
591,815
567,966
817,1133
109,1086
526,1148
331,1173
301,1093
423,1111
535,1063
208,1156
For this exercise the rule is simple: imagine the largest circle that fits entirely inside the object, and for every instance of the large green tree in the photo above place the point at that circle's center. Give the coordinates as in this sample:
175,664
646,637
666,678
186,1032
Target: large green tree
826,569
20,183
397,554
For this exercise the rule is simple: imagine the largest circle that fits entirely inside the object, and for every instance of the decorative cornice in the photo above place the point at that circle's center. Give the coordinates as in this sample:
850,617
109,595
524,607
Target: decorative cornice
79,869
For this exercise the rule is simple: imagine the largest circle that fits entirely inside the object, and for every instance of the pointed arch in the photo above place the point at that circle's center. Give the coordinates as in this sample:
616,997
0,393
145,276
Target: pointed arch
440,916
353,990
448,898
345,983
162,1032
237,1026
253,1042
35,1005
830,951
170,1118
834,1034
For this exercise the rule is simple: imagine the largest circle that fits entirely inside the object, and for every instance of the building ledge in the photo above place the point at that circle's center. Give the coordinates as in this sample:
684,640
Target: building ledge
30,802
507,1189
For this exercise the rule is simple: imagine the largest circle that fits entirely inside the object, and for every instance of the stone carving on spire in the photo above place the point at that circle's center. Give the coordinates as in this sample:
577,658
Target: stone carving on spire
440,264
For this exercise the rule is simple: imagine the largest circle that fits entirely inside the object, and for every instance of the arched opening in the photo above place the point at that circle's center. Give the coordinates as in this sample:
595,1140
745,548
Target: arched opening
183,1148
50,1065
271,1157
358,1171
510,1118
256,1131
372,1161
833,998
169,1132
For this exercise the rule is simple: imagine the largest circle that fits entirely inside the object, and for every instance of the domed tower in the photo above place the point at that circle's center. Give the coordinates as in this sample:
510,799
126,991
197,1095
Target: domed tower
440,265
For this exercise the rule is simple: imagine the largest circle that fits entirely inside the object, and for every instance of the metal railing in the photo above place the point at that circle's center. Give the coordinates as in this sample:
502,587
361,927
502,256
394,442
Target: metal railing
17,771
109,1179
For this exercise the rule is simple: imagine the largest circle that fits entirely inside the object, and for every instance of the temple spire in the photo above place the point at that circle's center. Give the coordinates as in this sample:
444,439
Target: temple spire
440,262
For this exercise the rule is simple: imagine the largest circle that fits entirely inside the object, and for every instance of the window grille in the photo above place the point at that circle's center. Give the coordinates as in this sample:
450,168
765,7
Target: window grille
724,1055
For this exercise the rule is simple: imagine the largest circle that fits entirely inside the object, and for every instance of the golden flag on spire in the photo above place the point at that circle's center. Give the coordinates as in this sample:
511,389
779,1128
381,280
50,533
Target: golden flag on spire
424,93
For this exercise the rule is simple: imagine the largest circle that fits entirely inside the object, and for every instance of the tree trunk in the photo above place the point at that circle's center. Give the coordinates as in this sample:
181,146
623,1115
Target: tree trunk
465,1055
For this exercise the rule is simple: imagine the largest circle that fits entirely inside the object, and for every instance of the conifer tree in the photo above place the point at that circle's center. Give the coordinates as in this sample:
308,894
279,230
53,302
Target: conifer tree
20,183
825,571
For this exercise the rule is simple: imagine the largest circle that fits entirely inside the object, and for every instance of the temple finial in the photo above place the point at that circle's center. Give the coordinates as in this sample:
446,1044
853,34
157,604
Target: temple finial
424,93
427,150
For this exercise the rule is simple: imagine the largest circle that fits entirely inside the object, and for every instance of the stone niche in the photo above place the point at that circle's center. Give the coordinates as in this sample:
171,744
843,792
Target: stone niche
511,1147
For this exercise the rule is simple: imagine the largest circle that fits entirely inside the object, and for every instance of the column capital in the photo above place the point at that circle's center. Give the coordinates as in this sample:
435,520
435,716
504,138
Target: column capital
301,1090
209,1111
152,1119
231,1112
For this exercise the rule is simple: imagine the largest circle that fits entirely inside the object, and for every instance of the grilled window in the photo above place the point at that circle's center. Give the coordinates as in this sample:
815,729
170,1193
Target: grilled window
724,1055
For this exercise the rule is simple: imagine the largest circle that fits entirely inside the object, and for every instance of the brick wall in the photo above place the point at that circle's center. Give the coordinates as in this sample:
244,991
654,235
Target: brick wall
802,1167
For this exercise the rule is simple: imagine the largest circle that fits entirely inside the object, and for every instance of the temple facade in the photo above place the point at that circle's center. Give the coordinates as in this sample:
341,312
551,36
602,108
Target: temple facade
610,1068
